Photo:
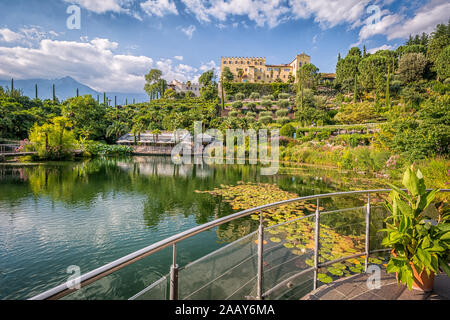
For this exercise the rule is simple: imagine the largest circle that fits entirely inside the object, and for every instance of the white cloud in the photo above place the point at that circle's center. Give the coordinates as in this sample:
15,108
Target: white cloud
28,35
330,13
9,35
381,27
102,6
159,7
93,63
189,31
395,26
262,12
383,47
425,20
179,58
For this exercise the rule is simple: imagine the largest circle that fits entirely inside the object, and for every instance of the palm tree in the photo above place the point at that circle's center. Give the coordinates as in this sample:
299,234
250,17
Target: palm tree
240,74
155,134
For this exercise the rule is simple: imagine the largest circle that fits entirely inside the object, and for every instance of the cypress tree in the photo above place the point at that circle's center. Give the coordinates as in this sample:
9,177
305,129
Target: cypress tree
104,98
98,99
388,95
126,101
78,93
134,101
12,87
36,91
115,101
54,94
355,93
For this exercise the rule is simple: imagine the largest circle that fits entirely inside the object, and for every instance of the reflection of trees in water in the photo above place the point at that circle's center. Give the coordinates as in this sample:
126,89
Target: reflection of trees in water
168,189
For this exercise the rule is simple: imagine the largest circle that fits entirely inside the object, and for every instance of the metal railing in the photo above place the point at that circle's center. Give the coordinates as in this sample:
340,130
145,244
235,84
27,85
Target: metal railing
94,275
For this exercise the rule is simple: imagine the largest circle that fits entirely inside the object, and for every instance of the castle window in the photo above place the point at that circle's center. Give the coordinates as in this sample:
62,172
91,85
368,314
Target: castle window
224,62
269,69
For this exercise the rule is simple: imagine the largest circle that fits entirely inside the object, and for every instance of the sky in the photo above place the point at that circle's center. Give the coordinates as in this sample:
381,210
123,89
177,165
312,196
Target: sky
111,44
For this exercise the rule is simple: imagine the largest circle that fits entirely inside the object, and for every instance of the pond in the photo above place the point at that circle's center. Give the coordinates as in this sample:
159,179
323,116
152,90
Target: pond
86,214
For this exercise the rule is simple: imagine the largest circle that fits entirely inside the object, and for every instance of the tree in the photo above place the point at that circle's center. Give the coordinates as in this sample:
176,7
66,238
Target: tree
442,64
53,140
372,72
154,84
347,69
240,74
209,90
388,93
87,116
228,76
207,78
439,41
411,67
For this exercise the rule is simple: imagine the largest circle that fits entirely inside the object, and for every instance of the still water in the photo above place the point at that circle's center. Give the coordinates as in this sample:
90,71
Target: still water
87,214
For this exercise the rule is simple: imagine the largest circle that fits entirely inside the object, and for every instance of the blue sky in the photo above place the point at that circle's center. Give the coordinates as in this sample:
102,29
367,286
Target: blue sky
121,40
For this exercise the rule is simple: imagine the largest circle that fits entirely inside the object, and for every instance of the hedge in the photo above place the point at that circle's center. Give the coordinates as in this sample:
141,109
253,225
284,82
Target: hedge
262,88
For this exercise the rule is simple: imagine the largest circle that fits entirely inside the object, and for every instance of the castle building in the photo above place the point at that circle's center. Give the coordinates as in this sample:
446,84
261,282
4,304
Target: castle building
255,70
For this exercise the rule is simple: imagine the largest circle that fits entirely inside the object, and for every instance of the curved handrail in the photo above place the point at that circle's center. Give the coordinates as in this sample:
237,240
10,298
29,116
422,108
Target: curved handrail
96,274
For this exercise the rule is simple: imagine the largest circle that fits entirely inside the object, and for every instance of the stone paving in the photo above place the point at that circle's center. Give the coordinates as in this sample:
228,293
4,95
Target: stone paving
355,288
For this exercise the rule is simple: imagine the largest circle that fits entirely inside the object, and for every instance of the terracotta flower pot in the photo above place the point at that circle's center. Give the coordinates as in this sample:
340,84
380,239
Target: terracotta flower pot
422,281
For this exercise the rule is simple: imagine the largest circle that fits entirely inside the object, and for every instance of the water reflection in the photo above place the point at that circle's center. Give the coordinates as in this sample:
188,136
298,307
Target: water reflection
90,213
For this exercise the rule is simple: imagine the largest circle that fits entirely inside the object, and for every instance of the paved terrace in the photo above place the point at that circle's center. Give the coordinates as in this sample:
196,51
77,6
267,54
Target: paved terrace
355,288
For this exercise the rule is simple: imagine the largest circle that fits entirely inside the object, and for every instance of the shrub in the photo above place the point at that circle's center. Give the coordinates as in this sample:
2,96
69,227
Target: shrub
251,114
250,119
240,96
237,105
230,98
284,96
363,112
266,103
254,96
287,131
282,113
95,148
233,114
266,114
284,104
266,120
283,120
251,106
269,97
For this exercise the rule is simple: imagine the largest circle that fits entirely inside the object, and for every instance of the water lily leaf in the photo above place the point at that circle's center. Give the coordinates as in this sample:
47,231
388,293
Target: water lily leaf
275,239
322,277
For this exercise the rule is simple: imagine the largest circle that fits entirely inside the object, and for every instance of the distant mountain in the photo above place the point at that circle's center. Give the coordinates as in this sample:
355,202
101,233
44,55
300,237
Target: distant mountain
66,88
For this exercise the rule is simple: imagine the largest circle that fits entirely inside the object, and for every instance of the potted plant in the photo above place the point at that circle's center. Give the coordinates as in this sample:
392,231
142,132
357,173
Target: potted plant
419,245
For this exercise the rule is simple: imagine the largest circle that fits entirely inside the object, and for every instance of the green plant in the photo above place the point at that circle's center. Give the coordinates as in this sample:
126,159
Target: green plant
287,131
240,96
237,105
415,240
282,113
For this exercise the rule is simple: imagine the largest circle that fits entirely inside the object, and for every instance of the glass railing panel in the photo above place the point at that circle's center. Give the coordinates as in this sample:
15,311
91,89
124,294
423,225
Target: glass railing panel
287,249
156,291
227,273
